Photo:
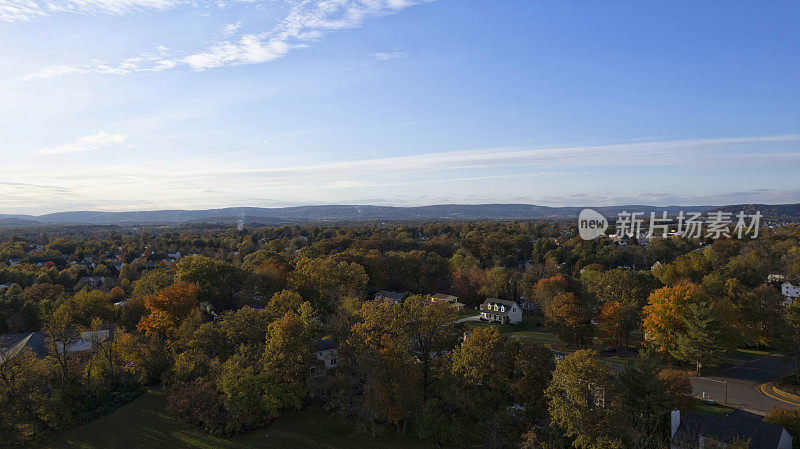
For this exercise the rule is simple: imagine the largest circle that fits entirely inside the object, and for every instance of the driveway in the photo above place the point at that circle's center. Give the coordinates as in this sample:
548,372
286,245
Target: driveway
742,384
469,318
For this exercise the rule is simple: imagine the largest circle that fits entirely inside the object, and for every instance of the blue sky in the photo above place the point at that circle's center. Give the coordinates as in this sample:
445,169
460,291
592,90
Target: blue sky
151,104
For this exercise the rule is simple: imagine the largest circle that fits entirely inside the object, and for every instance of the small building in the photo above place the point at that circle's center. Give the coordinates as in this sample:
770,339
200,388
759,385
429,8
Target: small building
693,430
327,357
14,344
501,311
790,293
450,299
394,296
93,281
776,278
656,266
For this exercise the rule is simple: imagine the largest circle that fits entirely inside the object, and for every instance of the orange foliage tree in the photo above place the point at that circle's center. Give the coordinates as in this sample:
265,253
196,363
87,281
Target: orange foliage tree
662,314
616,321
168,308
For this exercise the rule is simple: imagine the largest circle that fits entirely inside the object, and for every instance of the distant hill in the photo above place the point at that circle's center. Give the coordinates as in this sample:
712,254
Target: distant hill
357,213
770,211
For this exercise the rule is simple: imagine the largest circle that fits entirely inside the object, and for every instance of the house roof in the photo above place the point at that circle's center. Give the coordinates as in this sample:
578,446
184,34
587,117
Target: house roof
444,297
33,341
490,302
9,340
499,301
391,295
326,344
738,423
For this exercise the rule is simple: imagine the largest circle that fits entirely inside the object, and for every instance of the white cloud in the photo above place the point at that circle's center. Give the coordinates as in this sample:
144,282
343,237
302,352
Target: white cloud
146,62
386,56
674,152
231,28
86,143
21,10
306,22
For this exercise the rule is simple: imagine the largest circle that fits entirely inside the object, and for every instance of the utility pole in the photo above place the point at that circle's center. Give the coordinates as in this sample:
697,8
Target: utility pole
726,391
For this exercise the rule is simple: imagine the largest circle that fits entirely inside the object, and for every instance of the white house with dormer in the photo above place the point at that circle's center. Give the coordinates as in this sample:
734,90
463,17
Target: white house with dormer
501,310
790,293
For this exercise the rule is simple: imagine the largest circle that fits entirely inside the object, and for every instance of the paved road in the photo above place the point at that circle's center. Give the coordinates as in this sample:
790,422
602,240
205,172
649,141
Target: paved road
743,381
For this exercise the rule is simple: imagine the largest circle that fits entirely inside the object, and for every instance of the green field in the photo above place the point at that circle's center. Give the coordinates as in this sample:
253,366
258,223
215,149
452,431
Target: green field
144,424
530,329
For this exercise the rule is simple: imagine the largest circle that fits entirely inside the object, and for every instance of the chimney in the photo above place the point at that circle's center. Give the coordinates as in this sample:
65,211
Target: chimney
675,422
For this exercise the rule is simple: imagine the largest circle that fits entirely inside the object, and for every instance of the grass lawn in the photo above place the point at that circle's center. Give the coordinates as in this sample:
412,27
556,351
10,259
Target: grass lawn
789,385
144,424
748,354
467,312
704,408
530,329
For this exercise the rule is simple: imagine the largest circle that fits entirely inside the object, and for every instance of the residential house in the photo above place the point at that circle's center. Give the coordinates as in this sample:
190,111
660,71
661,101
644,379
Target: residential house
13,344
695,431
501,310
327,356
656,266
394,296
450,299
93,281
790,292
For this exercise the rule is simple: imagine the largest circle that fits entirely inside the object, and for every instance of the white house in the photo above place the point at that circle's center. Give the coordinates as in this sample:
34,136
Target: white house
327,355
500,310
790,292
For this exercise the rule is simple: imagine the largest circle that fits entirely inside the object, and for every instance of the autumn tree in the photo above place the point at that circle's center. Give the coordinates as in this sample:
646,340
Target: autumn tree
168,308
616,321
287,356
380,362
431,330
326,280
571,319
482,367
662,316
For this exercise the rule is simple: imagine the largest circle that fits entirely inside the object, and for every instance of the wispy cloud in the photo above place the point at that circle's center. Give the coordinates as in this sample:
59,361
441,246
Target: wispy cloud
231,28
673,152
307,21
386,56
487,175
86,143
22,10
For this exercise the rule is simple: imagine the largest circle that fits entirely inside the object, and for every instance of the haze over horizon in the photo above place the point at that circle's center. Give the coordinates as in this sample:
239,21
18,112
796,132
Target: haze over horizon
168,104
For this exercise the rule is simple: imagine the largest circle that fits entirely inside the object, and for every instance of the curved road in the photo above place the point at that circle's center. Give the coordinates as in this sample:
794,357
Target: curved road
742,384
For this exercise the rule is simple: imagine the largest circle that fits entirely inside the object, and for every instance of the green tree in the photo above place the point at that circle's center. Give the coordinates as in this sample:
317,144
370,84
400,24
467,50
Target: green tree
482,368
217,280
788,340
701,340
645,403
580,401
